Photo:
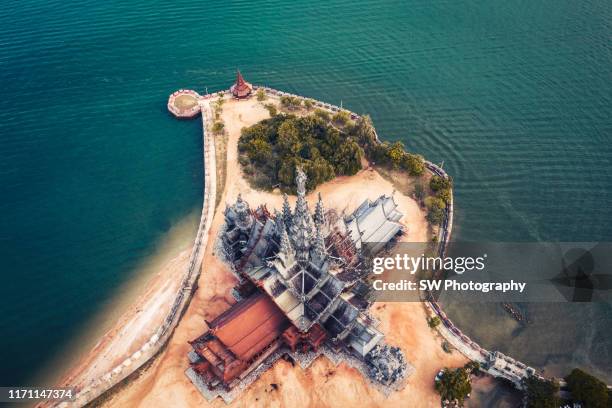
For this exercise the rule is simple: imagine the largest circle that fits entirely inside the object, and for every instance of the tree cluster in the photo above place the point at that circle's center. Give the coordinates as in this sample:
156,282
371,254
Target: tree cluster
272,149
393,155
454,385
290,102
436,204
541,393
588,390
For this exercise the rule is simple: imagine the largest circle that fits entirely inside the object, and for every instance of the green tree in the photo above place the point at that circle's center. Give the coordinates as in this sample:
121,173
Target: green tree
587,389
395,153
365,132
454,385
541,393
323,114
260,151
433,322
290,102
440,183
261,95
286,173
308,104
271,109
413,163
289,138
318,171
348,158
341,118
444,195
435,207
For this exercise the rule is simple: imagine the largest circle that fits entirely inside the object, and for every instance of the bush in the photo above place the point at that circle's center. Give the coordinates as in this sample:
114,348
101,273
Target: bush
322,114
290,102
454,385
413,163
308,104
341,118
588,390
271,109
261,95
472,367
541,393
436,208
433,322
438,183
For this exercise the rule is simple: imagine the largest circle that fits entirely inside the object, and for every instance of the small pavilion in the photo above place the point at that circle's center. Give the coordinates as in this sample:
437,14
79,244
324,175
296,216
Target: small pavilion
241,88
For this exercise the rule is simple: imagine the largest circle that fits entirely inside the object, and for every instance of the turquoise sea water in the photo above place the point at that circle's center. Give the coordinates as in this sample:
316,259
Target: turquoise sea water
515,97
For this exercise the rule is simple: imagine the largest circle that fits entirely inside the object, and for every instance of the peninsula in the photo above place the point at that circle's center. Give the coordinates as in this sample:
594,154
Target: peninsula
192,346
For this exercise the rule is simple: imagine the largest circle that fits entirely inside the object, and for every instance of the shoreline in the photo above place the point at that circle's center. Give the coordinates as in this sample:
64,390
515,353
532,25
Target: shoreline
131,293
127,367
164,381
177,291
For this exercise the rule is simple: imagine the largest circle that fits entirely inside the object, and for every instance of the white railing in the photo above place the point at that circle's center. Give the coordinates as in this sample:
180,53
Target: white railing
159,339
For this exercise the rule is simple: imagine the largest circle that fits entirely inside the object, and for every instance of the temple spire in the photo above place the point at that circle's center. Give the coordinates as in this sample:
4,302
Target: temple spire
285,244
243,213
301,225
300,181
319,244
287,216
319,213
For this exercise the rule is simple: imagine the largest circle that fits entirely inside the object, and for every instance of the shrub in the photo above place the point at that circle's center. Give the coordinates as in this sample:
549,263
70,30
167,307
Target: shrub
435,207
323,114
433,322
261,95
454,384
413,163
440,183
290,102
341,118
271,109
587,389
541,393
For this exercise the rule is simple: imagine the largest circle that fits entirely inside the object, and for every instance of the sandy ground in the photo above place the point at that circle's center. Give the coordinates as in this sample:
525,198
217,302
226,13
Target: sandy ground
164,383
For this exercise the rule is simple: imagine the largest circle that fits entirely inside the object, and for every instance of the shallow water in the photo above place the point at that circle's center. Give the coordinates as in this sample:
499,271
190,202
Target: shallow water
514,97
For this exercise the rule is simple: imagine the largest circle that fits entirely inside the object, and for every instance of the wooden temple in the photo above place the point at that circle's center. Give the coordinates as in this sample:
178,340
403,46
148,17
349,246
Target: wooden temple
241,89
301,285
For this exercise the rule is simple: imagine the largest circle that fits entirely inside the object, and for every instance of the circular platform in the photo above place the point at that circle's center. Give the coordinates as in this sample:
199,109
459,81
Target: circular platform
184,104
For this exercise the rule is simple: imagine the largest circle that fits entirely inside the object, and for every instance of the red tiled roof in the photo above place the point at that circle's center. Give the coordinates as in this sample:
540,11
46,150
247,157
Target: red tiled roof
249,326
240,87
